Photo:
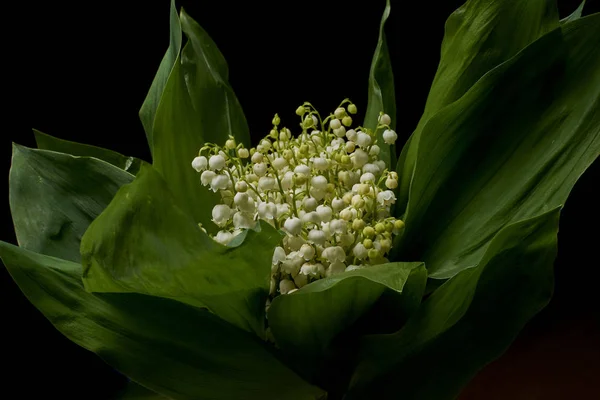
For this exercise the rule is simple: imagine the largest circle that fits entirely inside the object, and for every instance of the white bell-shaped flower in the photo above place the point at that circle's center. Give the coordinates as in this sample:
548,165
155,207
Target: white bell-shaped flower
302,169
386,198
280,163
363,140
293,226
309,204
367,177
207,177
199,163
267,183
267,211
319,182
216,162
311,218
317,236
371,168
335,268
338,226
286,286
259,169
219,182
320,163
224,237
333,254
325,213
389,136
360,251
221,214
279,255
385,119
359,158
307,252
243,220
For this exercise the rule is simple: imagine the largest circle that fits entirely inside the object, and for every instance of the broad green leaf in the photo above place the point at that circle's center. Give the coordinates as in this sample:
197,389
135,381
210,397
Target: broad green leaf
144,242
133,391
479,35
151,102
47,142
575,15
305,322
207,77
510,149
54,197
381,96
197,106
180,351
467,322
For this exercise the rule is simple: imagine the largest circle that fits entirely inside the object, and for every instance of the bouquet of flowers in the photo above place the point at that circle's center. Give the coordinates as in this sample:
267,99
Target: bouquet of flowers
320,262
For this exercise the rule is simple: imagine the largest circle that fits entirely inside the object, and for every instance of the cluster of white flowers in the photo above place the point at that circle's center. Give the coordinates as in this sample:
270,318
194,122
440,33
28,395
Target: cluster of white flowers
326,188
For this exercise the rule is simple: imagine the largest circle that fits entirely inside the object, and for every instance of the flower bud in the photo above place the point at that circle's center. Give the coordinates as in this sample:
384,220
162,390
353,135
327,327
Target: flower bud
358,224
368,232
241,186
309,204
368,243
338,204
257,158
385,119
286,286
243,153
335,124
374,151
340,132
347,120
276,120
280,163
260,169
352,135
379,227
300,111
391,183
350,146
373,253
358,201
319,182
360,251
224,237
230,144
199,163
352,109
339,113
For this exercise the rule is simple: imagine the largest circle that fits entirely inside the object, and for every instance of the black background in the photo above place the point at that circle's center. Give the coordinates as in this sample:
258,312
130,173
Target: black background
80,71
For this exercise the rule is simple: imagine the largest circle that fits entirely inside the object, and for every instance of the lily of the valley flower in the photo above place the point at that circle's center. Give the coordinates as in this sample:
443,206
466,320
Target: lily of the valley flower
326,189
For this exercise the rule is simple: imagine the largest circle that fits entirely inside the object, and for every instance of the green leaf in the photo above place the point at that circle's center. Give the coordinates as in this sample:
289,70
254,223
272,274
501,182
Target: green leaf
467,322
133,391
144,242
153,98
54,197
381,96
197,106
575,15
47,142
180,351
510,149
207,77
479,35
305,322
